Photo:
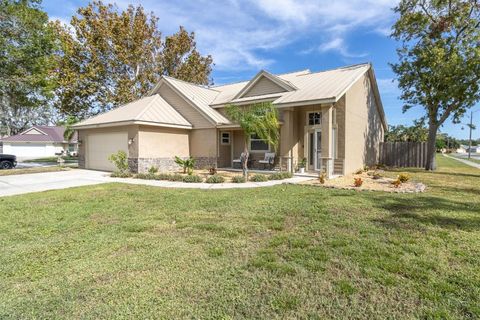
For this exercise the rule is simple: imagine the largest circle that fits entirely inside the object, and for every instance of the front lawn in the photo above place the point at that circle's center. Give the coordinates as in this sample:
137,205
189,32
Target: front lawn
68,159
15,171
128,251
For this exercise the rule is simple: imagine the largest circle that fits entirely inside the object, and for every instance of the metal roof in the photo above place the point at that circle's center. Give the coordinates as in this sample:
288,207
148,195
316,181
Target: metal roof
151,109
200,96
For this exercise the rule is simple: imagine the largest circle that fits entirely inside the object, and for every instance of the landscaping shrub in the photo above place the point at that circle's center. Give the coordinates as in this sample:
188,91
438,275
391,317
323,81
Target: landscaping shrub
357,182
187,164
377,175
192,178
403,177
215,179
169,177
359,171
212,171
396,183
120,160
152,170
259,178
280,175
119,174
322,176
238,179
145,176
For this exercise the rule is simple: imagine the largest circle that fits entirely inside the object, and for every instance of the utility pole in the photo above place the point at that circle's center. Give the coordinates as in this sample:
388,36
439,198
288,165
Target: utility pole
470,138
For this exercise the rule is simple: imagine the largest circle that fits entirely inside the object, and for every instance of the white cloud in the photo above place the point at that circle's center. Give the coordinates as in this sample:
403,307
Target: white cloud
239,33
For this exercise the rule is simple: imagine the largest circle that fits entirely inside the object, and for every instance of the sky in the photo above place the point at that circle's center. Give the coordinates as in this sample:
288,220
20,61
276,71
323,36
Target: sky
245,36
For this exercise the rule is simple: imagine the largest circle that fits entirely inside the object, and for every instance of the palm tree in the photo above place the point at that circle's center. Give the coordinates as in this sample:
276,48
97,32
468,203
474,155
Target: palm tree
69,131
260,119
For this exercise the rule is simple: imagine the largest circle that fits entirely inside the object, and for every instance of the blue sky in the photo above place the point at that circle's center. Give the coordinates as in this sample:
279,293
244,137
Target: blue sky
244,36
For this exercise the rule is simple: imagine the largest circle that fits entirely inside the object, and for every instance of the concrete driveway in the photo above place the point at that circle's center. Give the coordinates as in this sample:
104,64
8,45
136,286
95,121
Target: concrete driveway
26,183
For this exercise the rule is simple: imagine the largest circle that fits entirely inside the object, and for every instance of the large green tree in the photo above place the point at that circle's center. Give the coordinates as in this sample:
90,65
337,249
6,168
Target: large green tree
27,45
110,57
259,119
439,60
415,133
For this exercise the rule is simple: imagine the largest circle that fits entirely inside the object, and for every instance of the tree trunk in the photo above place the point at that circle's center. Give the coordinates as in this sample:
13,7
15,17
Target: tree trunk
244,159
431,148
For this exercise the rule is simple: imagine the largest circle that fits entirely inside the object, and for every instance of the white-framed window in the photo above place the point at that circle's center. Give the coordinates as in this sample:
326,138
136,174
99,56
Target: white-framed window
257,144
225,138
314,118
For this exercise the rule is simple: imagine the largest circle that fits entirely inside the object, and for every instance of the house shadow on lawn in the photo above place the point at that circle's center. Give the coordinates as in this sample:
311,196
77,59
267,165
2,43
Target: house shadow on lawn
429,211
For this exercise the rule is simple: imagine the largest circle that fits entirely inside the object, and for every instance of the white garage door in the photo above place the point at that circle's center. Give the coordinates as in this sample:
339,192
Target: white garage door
101,146
30,150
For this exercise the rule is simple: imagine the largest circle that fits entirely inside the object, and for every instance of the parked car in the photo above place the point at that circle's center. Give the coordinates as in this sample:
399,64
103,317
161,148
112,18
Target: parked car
8,161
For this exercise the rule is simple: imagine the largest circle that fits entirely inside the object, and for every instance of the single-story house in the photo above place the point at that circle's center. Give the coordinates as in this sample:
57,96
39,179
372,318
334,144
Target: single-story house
334,119
39,142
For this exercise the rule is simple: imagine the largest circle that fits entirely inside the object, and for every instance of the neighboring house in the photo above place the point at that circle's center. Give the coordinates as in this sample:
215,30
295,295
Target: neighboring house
333,118
39,142
465,148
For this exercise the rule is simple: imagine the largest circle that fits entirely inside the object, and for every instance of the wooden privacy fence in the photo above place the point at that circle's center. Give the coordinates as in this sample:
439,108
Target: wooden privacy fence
403,154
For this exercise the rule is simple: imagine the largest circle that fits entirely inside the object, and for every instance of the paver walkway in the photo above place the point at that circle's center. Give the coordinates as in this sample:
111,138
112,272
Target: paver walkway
470,163
35,182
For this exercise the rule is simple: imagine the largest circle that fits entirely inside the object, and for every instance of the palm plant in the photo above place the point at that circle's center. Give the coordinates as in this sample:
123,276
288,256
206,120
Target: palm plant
69,131
260,119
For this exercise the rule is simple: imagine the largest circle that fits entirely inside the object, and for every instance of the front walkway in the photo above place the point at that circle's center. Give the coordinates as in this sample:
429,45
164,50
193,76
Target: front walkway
36,182
470,163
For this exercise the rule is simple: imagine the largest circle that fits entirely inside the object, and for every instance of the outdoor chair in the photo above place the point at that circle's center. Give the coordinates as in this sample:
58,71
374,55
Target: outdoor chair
268,160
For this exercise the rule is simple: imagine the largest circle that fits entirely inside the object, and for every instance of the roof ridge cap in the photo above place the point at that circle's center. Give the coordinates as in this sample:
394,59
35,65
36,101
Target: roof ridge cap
191,83
338,68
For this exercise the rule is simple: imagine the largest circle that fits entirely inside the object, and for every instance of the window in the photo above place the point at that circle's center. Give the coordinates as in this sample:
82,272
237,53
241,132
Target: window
314,118
225,138
257,144
71,147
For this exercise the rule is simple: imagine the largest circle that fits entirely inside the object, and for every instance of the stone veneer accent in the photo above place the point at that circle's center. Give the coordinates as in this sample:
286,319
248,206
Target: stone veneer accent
141,165
81,161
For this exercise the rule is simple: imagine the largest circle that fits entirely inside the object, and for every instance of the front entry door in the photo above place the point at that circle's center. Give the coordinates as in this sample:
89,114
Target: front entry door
315,152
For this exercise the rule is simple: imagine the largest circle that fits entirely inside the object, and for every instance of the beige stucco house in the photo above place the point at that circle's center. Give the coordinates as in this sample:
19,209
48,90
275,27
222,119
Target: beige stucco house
333,118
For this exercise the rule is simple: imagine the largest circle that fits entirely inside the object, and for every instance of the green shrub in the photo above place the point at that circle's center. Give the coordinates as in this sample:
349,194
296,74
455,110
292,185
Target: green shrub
118,174
259,178
403,177
192,178
146,176
120,160
215,179
238,179
168,177
322,176
187,164
359,171
280,175
152,170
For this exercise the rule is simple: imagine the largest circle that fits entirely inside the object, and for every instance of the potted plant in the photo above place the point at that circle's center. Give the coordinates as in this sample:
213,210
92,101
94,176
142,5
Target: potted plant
302,165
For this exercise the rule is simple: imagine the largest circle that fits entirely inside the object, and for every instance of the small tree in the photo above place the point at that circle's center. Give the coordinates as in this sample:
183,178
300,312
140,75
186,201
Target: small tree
439,60
260,119
187,164
120,160
69,130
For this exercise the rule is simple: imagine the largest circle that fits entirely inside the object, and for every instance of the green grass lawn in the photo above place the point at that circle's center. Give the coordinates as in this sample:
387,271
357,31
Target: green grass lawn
68,159
125,251
10,172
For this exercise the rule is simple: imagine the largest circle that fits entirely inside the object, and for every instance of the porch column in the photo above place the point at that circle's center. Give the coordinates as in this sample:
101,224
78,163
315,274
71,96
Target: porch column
287,136
327,155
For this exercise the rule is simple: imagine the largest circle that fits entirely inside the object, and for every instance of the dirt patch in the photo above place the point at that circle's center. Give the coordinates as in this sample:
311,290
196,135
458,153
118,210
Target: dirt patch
369,183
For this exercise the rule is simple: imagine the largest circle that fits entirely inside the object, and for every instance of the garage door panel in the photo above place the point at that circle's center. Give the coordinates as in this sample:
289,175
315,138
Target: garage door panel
101,146
30,150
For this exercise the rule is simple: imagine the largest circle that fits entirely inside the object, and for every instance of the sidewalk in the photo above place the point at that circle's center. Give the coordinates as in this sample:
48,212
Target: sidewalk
470,163
209,186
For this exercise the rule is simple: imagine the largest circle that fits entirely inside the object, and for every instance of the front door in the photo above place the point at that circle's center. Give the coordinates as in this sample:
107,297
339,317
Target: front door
315,149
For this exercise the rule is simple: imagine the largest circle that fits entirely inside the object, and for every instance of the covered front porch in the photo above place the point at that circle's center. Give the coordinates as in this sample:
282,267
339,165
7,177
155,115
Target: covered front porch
310,135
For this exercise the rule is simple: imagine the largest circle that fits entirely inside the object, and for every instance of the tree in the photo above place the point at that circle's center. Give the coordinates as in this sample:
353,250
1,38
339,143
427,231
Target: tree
416,133
260,119
111,57
69,130
439,60
27,45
